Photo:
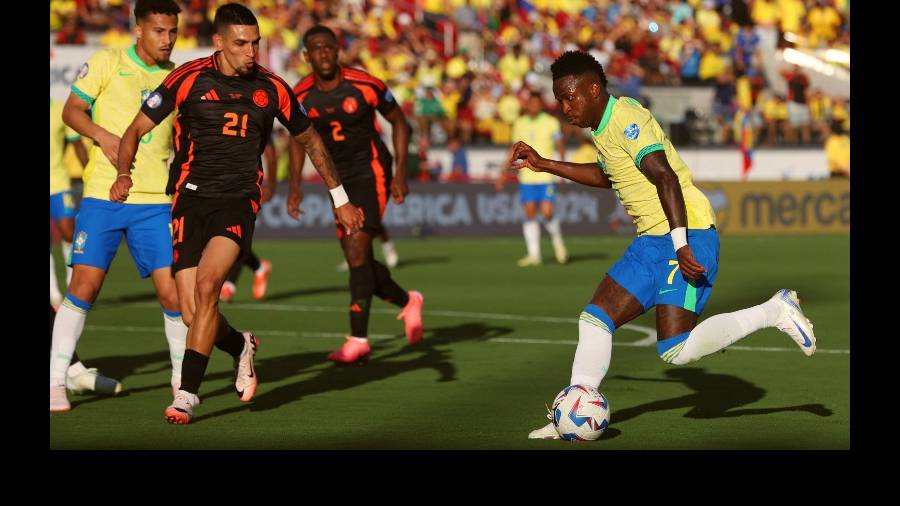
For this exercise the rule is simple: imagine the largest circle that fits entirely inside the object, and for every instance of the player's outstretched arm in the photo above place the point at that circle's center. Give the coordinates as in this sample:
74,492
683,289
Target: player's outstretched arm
127,150
76,115
296,160
350,217
400,136
657,169
522,155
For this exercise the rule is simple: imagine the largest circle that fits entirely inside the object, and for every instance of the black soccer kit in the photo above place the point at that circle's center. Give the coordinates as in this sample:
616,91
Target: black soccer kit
221,129
345,120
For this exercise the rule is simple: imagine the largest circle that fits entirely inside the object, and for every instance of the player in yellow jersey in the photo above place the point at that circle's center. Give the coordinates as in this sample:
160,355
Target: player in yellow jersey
62,210
672,264
62,205
106,95
542,131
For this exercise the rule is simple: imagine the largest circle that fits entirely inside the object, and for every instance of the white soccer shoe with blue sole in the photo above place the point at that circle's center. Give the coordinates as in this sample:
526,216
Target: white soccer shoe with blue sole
794,323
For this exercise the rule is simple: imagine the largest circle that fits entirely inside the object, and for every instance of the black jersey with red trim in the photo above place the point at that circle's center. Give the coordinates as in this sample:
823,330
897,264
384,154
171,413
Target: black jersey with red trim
222,126
345,119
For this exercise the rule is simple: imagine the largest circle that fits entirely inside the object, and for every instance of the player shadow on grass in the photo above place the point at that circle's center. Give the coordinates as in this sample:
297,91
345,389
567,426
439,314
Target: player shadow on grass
305,291
429,354
586,257
715,396
123,367
409,262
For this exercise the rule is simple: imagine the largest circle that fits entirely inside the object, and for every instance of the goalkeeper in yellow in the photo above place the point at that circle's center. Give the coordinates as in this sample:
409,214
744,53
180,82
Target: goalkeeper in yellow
673,261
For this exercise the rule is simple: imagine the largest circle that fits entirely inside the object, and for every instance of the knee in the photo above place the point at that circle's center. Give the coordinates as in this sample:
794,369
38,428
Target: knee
83,289
207,291
187,316
169,300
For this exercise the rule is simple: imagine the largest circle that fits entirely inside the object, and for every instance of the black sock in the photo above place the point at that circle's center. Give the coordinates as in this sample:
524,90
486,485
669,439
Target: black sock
386,288
362,286
251,260
230,341
192,370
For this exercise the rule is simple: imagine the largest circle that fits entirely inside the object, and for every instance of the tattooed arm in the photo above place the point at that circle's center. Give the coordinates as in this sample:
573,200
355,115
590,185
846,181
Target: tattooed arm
349,216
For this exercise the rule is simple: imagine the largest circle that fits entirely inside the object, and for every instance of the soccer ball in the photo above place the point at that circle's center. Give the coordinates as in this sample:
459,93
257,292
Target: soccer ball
580,413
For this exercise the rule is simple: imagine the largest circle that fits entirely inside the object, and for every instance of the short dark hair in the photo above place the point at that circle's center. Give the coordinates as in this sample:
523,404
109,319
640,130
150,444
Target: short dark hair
233,14
317,30
144,8
576,63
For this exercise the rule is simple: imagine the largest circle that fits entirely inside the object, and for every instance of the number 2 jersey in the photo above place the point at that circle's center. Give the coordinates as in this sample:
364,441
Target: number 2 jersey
222,127
345,119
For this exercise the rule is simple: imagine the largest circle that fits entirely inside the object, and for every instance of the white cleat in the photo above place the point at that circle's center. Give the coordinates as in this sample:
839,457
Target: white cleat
529,261
58,400
245,379
343,266
182,409
92,381
391,258
793,322
546,432
562,255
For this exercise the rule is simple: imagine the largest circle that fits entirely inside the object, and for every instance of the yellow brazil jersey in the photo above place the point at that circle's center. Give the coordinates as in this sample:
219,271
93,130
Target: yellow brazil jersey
540,132
116,82
626,134
59,135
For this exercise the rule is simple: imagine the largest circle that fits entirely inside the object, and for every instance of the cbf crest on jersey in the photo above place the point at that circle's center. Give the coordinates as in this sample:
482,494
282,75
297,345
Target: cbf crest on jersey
632,131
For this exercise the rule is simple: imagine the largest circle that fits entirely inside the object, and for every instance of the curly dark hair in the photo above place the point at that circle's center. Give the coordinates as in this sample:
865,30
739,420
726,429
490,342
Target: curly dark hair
144,8
317,30
576,63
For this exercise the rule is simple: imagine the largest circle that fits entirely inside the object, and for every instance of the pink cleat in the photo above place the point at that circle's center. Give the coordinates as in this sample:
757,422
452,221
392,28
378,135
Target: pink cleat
412,317
354,349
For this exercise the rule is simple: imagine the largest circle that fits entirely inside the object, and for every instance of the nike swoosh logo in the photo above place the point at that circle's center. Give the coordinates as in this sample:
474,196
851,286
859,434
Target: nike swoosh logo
667,291
125,74
806,341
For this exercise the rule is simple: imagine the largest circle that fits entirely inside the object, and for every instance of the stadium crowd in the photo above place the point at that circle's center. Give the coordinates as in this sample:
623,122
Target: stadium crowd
462,68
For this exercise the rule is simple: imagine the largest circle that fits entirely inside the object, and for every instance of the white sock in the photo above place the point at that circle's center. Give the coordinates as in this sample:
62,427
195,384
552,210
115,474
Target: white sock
55,295
593,353
722,330
67,251
176,335
66,331
387,247
360,339
555,232
532,232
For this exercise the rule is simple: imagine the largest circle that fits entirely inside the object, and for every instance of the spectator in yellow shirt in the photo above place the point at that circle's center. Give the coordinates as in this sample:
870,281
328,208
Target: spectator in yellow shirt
837,151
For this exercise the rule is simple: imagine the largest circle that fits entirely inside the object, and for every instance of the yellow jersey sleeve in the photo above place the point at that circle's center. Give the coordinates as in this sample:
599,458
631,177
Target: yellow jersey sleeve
637,132
94,75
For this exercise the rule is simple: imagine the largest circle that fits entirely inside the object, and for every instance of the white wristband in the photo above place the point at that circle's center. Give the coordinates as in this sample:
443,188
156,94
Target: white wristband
339,196
679,237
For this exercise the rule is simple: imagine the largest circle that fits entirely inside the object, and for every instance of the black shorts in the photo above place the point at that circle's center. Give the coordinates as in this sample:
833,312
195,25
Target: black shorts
371,195
197,220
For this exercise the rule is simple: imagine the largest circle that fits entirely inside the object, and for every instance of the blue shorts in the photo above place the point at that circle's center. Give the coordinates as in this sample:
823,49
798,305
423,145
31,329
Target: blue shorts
100,225
649,270
62,205
537,193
